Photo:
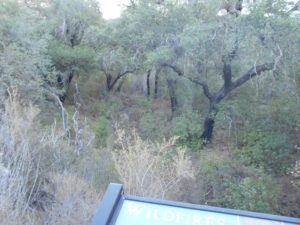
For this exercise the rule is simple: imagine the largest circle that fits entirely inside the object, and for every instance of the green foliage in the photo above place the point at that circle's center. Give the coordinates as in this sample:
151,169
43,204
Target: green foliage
79,57
258,194
153,125
161,55
45,44
218,173
188,129
70,18
103,131
24,62
285,102
116,60
110,107
229,184
265,149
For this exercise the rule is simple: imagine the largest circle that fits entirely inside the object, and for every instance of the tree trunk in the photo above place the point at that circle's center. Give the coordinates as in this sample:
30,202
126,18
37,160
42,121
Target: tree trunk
108,82
209,121
156,86
208,129
172,94
64,82
148,83
120,86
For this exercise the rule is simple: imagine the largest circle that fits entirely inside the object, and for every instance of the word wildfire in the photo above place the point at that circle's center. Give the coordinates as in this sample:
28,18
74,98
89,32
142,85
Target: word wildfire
140,213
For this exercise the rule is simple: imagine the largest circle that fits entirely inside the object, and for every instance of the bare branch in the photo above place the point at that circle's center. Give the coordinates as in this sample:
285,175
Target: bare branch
125,72
204,87
174,68
64,114
120,76
257,70
181,74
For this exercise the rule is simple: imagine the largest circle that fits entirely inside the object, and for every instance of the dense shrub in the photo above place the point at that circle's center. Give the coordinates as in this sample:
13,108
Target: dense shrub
266,149
103,131
187,128
260,194
154,125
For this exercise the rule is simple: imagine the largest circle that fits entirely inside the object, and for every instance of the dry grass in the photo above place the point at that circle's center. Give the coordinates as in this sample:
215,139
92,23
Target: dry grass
36,186
21,152
150,169
75,201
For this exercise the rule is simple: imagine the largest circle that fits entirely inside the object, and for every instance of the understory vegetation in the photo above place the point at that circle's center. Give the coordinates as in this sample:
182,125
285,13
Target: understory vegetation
193,101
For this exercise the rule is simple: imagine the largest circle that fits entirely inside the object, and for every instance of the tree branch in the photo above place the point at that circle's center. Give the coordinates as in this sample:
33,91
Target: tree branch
119,77
203,85
124,73
181,74
256,70
174,68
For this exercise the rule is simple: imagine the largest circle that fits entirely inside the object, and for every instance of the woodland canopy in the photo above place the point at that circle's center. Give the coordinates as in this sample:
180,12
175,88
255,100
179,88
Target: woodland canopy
189,100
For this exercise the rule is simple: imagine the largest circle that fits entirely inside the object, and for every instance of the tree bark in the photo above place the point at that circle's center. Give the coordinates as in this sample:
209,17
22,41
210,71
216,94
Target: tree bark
156,78
208,128
173,99
148,83
64,82
156,85
108,82
120,86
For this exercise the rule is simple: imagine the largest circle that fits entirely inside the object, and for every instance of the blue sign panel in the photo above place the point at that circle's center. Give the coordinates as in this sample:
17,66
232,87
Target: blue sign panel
119,209
142,213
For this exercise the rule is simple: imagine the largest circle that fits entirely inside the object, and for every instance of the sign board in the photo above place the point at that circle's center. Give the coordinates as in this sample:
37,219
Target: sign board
119,209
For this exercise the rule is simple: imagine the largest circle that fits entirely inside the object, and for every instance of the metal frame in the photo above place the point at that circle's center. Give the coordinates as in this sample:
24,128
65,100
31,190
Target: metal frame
114,197
108,205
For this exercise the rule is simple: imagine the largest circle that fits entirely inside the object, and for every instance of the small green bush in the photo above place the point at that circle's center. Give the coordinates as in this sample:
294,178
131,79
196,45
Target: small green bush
218,171
259,194
110,107
153,125
268,150
103,131
188,128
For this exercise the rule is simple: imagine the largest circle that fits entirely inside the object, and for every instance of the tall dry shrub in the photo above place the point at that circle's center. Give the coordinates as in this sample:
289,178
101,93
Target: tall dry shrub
22,157
75,201
150,169
37,185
